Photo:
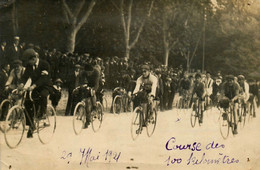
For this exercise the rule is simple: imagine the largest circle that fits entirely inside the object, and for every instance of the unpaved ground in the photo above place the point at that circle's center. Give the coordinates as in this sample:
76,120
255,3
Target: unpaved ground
65,150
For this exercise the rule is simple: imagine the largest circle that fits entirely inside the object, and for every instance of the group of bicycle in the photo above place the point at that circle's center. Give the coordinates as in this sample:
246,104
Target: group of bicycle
235,98
30,87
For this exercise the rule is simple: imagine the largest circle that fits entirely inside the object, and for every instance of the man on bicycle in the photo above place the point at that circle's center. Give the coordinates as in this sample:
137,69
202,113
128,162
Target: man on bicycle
147,82
184,85
15,76
38,71
91,77
230,92
253,92
199,90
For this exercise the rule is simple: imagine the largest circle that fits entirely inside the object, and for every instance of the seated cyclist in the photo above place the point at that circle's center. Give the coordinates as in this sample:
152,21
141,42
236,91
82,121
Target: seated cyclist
91,77
199,90
253,91
124,87
244,89
185,85
15,76
38,70
148,83
230,92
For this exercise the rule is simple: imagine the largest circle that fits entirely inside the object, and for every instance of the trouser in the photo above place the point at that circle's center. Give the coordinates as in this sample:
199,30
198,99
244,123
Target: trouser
40,102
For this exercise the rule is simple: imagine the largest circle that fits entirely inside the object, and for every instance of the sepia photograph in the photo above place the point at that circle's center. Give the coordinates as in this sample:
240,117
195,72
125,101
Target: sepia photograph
129,84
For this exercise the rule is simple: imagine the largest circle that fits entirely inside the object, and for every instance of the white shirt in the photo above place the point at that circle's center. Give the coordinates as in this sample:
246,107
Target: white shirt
151,80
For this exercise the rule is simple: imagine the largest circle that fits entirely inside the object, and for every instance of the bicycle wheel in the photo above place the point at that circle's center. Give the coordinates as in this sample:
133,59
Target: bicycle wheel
46,125
104,104
241,117
4,107
193,116
97,118
117,104
14,126
224,125
250,113
79,118
179,106
232,122
136,124
151,123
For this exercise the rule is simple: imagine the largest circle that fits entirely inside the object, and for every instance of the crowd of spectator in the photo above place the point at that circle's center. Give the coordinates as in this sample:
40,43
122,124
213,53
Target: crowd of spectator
115,71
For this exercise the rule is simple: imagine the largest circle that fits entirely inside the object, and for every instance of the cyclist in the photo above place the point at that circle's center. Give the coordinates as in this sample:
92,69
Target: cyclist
253,89
15,76
91,76
199,90
244,91
244,88
148,83
209,87
38,71
216,89
230,92
185,86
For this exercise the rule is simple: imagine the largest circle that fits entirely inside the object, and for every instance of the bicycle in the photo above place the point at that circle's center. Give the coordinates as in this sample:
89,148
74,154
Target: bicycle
251,107
142,117
120,102
101,97
196,111
16,121
227,119
183,102
83,108
241,113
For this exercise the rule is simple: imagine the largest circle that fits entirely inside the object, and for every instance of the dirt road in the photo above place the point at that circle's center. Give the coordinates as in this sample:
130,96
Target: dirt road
113,148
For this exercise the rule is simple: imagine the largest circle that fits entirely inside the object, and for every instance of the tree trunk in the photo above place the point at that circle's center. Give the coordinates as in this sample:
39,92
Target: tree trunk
71,39
127,52
166,56
14,19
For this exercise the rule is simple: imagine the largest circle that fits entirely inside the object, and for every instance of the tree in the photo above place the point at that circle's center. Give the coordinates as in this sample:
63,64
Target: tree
74,21
126,20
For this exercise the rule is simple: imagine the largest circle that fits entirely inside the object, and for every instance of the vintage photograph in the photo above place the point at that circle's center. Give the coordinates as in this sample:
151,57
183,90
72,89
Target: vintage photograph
129,84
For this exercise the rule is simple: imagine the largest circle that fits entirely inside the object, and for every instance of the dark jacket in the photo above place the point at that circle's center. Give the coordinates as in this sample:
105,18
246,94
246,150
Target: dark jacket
37,76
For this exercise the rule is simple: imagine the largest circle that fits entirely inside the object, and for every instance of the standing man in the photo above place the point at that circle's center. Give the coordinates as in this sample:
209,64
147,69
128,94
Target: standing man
73,82
38,70
14,51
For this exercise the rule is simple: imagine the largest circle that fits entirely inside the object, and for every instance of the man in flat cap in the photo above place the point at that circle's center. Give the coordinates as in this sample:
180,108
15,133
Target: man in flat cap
15,76
230,93
13,52
148,83
38,70
73,82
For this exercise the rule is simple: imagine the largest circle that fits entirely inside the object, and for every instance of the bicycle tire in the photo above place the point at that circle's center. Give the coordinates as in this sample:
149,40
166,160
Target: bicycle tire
250,113
232,122
137,122
117,104
2,104
193,116
79,118
241,117
46,126
151,123
104,104
97,118
14,134
179,106
224,125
